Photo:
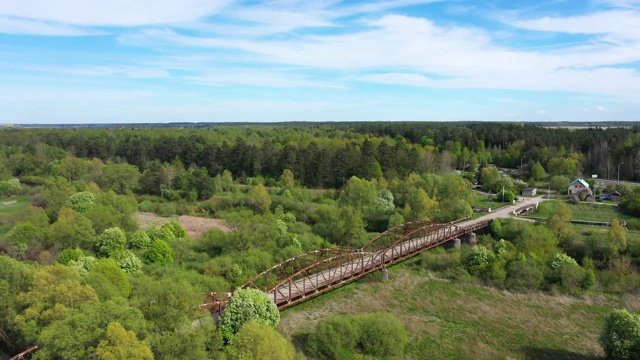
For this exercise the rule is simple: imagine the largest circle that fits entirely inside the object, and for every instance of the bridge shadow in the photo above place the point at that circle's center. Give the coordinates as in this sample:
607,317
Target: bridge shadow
533,353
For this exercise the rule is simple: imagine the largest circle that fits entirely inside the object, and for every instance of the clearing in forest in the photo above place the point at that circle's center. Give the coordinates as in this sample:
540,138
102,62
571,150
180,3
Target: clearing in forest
193,225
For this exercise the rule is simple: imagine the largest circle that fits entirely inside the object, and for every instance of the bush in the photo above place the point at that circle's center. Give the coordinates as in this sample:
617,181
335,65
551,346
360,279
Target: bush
175,228
139,240
81,202
109,280
335,338
382,335
440,262
110,242
620,337
160,234
247,305
128,261
159,253
256,341
68,255
524,275
378,335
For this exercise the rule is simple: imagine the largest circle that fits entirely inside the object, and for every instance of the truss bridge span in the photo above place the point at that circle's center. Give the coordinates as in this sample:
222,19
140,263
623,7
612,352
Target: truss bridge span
306,275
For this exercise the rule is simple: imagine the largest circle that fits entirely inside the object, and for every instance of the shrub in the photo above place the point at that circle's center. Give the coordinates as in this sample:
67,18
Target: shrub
160,234
68,255
81,202
620,337
110,242
247,305
109,280
335,338
139,240
175,228
524,275
256,341
476,257
382,335
159,253
127,261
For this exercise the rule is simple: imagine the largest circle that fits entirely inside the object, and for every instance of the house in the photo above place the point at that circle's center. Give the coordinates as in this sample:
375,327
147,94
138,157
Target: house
529,191
578,186
615,196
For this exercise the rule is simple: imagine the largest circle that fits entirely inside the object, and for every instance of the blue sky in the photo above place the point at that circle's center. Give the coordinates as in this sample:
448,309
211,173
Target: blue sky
93,61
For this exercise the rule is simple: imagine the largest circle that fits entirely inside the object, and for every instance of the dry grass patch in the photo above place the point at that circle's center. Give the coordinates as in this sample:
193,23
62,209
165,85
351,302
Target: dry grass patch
193,225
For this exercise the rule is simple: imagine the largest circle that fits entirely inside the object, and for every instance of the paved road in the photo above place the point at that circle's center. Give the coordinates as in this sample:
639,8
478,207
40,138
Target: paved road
505,211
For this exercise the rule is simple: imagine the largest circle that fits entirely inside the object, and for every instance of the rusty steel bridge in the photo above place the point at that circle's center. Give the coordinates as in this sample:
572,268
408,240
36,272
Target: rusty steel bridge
306,275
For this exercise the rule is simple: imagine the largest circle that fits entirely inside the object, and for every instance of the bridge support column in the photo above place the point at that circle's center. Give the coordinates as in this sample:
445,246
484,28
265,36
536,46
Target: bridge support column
385,274
470,239
456,243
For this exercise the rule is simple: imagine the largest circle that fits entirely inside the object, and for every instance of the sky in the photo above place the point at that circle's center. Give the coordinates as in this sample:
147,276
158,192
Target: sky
155,61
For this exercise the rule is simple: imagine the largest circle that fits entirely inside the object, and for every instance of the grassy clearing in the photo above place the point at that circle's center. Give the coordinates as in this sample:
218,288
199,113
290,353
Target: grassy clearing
584,211
10,209
13,209
448,320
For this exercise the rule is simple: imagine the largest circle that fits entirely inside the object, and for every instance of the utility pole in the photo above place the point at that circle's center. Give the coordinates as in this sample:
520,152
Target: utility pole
619,172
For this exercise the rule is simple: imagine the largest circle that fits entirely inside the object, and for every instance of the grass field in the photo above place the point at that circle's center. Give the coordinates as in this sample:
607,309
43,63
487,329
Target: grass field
584,211
448,320
10,210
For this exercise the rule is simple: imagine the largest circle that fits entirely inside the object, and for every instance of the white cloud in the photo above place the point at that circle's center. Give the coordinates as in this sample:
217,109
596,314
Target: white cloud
112,12
461,57
624,24
10,25
398,79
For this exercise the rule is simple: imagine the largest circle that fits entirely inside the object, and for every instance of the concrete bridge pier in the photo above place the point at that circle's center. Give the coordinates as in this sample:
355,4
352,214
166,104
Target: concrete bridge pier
470,239
456,243
385,274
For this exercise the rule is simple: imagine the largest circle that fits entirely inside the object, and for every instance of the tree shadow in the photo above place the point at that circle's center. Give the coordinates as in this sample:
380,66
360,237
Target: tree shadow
533,353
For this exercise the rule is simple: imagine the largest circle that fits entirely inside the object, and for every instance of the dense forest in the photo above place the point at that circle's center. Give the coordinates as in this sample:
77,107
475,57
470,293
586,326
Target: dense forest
81,277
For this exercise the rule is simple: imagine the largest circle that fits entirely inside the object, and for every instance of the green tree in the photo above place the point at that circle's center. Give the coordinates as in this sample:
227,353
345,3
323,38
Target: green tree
110,242
257,341
537,171
175,228
122,344
559,183
247,305
159,253
55,290
490,176
139,240
335,337
77,335
109,280
419,206
119,177
287,179
71,230
23,237
358,193
81,202
559,223
382,335
620,337
343,227
259,199
617,235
